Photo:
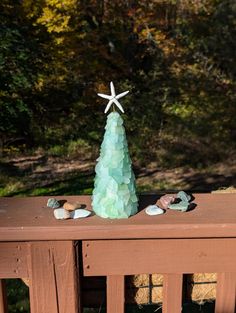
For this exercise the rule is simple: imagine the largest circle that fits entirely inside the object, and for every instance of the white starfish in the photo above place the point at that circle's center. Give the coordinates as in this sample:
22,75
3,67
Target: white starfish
113,98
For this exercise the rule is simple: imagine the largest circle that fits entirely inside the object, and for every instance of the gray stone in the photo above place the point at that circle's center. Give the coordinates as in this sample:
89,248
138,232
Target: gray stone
53,203
61,214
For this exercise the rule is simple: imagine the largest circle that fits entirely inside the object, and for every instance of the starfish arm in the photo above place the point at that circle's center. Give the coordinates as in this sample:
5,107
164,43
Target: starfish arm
118,105
104,96
122,94
108,105
113,93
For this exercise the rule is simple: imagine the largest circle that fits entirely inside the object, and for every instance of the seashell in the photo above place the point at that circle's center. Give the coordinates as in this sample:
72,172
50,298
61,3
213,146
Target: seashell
61,214
80,213
53,203
154,210
71,206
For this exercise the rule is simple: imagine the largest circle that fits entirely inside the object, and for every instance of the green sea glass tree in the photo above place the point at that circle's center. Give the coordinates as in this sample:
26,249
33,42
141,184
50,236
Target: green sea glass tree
114,194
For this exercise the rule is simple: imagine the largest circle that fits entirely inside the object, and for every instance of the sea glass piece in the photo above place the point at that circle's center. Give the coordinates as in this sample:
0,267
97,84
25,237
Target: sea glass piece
183,196
180,206
80,213
154,210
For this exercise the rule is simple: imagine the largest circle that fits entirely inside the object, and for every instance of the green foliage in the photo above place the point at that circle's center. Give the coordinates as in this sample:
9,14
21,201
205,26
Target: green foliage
72,149
16,71
57,150
17,296
176,57
79,148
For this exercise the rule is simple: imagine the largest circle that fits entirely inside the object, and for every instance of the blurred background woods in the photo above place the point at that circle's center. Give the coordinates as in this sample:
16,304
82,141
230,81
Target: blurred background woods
176,57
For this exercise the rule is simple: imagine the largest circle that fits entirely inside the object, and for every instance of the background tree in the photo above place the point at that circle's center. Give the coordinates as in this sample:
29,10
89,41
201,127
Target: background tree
176,58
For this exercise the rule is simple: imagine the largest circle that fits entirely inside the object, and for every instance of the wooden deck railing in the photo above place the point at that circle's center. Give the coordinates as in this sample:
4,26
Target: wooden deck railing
53,255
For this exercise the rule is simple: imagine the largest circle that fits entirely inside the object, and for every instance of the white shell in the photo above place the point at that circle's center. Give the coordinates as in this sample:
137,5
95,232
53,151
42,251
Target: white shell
80,213
153,210
61,214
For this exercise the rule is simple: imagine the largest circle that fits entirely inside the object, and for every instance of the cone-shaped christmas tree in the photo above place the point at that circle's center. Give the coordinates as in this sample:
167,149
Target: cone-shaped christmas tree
114,194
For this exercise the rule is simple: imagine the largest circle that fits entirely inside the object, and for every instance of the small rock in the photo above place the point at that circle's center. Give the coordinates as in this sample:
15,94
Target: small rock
61,214
80,213
165,201
53,203
71,206
154,210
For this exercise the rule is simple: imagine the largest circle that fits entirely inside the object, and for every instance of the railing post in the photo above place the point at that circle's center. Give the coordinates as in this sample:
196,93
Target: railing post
3,297
115,294
172,293
225,293
53,278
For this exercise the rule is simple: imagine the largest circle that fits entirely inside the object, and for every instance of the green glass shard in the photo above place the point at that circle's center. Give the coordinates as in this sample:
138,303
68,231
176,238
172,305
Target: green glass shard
183,196
181,206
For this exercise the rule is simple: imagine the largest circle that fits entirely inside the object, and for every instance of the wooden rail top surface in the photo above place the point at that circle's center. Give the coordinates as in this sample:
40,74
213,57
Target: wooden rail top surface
24,219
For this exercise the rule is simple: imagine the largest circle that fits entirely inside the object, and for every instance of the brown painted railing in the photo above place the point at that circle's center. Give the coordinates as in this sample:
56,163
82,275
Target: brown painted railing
53,255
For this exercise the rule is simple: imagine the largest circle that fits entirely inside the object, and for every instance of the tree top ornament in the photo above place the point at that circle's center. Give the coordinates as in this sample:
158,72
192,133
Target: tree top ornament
113,98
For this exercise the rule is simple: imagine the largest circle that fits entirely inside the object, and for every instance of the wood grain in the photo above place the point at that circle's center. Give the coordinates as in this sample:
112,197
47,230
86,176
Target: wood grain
115,294
172,293
225,293
14,260
3,297
130,257
29,219
53,279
